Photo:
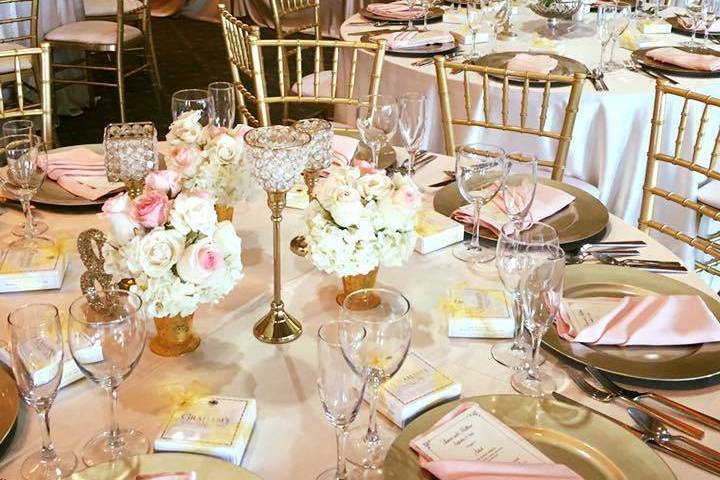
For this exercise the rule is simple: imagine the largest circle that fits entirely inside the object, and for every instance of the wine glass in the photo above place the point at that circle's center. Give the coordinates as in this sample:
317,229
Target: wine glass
107,331
428,5
605,14
541,291
385,315
476,18
712,15
515,248
377,121
480,174
410,26
36,347
412,124
519,187
18,127
24,161
221,104
188,100
696,11
340,388
619,21
495,12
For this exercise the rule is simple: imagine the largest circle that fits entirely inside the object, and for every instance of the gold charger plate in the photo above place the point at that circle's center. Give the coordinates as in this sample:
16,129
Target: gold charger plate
206,468
565,66
9,404
654,364
592,446
677,27
640,56
582,220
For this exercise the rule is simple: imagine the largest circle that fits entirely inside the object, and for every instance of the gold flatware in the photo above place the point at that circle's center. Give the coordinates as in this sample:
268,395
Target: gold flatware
442,183
657,266
581,256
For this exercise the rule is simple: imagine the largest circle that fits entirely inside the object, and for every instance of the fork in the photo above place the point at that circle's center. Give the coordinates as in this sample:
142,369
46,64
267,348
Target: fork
652,265
585,386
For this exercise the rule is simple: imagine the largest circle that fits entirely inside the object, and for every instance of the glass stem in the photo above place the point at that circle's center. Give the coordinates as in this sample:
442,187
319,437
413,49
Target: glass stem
28,218
602,56
372,435
694,33
517,315
475,242
114,441
48,450
425,25
474,43
341,436
375,150
612,49
532,371
411,162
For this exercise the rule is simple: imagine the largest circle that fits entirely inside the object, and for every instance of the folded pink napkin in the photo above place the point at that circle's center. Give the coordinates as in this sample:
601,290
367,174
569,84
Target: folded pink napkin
167,476
659,320
479,470
524,62
681,58
396,10
343,149
686,22
398,40
81,172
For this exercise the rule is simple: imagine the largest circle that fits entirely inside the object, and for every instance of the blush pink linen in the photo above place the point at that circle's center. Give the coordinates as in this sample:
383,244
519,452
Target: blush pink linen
396,10
477,470
680,58
656,320
405,39
525,62
81,172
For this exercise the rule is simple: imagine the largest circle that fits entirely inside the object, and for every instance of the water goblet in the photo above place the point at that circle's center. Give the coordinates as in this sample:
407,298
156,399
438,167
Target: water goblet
412,124
221,104
340,388
18,127
377,120
480,174
107,332
36,348
620,21
605,29
385,316
188,100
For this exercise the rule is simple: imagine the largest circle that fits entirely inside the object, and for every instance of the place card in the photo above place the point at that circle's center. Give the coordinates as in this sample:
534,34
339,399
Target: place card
297,197
463,36
632,42
478,313
580,313
650,26
415,388
213,425
24,270
436,231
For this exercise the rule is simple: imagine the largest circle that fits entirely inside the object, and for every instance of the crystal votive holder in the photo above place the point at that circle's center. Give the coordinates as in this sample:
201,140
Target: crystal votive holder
131,153
278,155
320,149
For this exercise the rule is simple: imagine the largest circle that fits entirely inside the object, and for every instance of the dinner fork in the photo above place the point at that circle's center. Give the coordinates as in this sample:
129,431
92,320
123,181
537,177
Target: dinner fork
579,380
652,265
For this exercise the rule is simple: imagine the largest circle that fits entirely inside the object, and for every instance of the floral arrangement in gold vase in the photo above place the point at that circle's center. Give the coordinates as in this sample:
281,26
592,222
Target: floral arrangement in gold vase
170,243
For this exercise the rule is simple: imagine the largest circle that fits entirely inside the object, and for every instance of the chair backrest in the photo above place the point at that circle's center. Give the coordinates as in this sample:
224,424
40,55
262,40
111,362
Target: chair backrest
22,22
38,56
527,83
286,15
698,164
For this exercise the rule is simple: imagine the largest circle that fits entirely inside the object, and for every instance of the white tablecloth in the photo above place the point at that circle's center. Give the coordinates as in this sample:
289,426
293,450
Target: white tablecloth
292,439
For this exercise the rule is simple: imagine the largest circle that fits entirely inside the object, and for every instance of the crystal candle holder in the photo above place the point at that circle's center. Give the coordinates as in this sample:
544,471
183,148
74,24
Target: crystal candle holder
130,154
320,149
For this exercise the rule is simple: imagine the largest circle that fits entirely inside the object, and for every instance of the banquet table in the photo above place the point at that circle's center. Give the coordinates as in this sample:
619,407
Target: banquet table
612,128
292,438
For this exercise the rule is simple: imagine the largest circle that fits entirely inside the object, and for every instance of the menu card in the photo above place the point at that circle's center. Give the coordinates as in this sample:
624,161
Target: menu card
478,313
580,313
25,270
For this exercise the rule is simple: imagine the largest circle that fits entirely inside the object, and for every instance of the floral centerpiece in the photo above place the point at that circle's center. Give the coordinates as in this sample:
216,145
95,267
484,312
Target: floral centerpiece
169,242
361,219
211,158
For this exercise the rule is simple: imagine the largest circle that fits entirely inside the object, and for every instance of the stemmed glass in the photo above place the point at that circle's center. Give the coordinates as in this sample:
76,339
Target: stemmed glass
36,347
377,120
480,174
605,14
696,9
25,166
221,104
515,248
385,315
107,331
18,127
519,187
188,100
619,21
340,388
541,291
412,124
428,5
476,17
411,26
495,12
712,15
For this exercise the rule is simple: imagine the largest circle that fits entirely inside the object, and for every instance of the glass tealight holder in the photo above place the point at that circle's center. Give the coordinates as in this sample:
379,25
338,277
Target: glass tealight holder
320,153
131,153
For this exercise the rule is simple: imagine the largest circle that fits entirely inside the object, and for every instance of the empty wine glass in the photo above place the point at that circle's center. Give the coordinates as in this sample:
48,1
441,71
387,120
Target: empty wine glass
605,14
541,291
188,100
18,127
410,26
221,104
428,6
385,316
494,13
476,18
619,21
519,187
107,336
515,248
696,10
412,124
340,388
712,16
480,174
377,120
36,347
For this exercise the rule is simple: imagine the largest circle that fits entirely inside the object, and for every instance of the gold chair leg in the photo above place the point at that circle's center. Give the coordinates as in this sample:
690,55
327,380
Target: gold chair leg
153,57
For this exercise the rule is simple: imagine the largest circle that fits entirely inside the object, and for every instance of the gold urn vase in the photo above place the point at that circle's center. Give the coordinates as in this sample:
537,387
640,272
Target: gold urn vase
353,283
224,212
175,336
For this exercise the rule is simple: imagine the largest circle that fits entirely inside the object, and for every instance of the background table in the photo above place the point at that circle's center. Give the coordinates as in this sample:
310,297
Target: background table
292,438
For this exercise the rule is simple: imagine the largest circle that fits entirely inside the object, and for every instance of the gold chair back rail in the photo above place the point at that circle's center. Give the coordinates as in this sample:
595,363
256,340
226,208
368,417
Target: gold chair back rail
32,19
283,9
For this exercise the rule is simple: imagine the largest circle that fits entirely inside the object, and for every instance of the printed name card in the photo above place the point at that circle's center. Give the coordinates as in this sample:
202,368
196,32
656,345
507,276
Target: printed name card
580,313
478,313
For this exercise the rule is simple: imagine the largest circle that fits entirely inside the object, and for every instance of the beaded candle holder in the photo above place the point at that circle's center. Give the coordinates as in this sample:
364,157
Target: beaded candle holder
130,154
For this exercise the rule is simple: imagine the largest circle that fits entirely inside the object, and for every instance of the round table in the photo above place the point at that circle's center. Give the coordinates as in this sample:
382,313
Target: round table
292,438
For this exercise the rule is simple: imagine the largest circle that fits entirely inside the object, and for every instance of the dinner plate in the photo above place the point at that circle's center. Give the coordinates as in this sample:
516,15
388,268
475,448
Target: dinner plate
677,27
653,364
9,406
206,468
423,51
582,220
589,444
435,15
566,66
640,56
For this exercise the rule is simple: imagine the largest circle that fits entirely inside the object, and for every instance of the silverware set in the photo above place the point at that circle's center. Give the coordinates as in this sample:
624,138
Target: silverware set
427,61
374,24
423,159
587,251
638,67
598,80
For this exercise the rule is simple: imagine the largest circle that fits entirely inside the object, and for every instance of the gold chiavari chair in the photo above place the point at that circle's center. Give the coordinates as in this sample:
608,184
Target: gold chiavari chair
471,93
20,23
707,202
109,37
19,59
288,17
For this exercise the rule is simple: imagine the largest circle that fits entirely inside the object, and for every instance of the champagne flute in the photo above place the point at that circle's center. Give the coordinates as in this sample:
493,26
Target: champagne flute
18,127
696,10
620,21
480,174
188,100
541,293
519,187
377,120
515,248
36,347
385,315
605,14
476,17
107,333
412,124
340,388
221,104
712,16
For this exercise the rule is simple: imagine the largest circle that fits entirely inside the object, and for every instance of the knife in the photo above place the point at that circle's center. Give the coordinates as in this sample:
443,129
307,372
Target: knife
657,74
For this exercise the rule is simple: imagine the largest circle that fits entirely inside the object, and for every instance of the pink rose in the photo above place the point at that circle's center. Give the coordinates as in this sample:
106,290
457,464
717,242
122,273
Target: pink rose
407,196
165,181
118,211
199,261
200,193
185,159
151,209
366,167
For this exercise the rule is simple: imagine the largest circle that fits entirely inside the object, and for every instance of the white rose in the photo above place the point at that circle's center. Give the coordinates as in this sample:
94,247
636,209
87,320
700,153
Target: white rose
161,249
225,149
226,239
199,261
193,212
186,128
118,212
374,186
344,205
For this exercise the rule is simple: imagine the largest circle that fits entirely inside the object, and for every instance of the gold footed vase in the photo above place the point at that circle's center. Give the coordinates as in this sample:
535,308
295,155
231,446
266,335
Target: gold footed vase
175,336
224,212
353,283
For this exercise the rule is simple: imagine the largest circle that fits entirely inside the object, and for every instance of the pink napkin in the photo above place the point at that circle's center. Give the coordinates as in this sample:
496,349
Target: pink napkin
524,62
398,40
396,10
687,23
81,172
653,320
694,61
167,476
343,149
477,470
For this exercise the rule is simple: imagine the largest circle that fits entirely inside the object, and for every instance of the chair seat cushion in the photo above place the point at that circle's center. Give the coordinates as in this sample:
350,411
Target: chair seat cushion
99,32
100,8
710,194
582,185
308,84
7,64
